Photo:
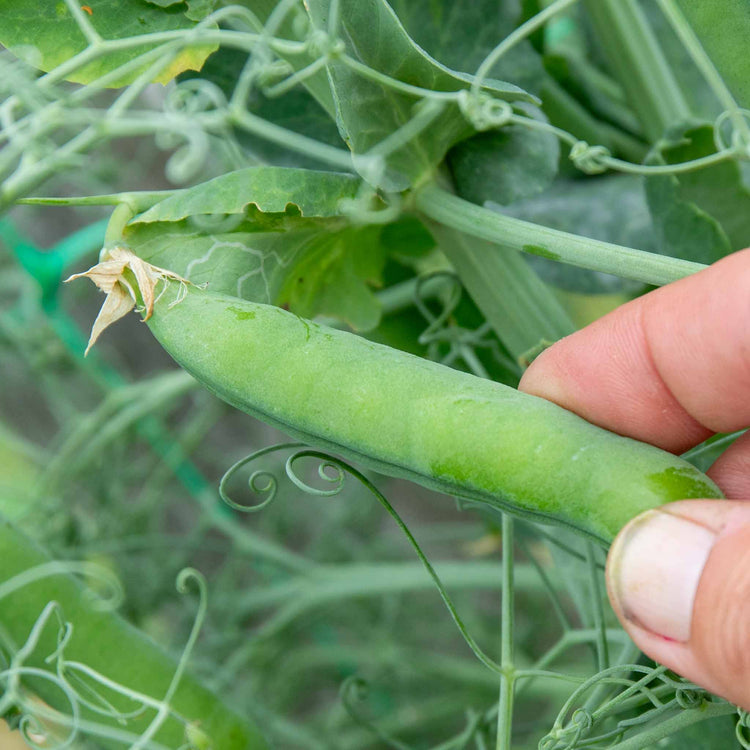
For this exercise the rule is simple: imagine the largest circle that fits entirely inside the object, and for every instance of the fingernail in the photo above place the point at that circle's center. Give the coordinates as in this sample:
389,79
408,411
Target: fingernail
653,570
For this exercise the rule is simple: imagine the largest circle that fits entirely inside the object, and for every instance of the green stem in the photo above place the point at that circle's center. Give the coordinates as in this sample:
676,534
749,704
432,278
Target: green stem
683,719
118,220
475,221
602,649
523,31
638,63
508,674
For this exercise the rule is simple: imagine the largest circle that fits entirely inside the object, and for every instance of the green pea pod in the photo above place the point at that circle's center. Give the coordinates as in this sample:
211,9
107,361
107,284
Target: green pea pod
407,417
103,641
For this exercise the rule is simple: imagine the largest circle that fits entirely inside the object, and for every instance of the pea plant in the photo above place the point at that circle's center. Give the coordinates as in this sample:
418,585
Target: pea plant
355,223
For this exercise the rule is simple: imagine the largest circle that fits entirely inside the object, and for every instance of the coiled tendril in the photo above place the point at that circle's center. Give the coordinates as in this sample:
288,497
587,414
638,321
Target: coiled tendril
589,159
739,142
483,111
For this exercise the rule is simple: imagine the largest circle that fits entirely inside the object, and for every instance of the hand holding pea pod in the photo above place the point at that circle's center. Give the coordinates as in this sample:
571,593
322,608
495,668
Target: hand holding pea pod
678,577
405,416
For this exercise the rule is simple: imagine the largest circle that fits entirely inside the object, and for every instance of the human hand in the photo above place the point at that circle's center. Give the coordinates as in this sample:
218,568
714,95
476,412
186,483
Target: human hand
671,368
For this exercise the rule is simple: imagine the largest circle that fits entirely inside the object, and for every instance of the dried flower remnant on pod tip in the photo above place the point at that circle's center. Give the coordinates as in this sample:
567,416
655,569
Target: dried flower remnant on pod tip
109,276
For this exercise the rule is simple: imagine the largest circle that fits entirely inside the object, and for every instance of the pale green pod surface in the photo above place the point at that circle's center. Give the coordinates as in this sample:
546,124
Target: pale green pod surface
103,641
405,416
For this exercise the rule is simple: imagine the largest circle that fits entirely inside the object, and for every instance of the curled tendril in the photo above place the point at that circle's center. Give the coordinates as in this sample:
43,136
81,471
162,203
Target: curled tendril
194,95
330,470
741,728
462,342
46,728
270,488
589,159
35,734
268,73
582,719
450,302
340,471
690,698
483,111
321,44
738,140
188,160
33,711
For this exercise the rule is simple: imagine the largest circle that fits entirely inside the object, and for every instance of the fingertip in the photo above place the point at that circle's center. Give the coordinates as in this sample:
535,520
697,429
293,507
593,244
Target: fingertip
678,578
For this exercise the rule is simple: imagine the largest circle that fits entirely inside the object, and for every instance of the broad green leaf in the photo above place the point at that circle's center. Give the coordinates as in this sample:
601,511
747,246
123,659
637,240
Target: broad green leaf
245,261
265,189
369,112
460,35
312,266
199,9
724,30
46,35
333,277
504,165
703,214
306,110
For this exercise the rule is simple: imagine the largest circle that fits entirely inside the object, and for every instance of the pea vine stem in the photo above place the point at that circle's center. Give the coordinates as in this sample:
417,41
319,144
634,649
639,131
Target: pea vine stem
685,718
508,672
639,64
476,221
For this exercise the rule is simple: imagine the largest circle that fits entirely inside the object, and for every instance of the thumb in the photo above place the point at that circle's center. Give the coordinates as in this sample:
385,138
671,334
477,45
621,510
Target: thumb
679,580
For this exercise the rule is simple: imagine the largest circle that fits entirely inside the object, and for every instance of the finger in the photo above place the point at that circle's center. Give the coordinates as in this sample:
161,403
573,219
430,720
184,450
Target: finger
669,368
679,580
731,471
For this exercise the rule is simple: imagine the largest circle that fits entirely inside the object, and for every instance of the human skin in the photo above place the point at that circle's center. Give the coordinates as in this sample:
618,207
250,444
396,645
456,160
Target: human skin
671,368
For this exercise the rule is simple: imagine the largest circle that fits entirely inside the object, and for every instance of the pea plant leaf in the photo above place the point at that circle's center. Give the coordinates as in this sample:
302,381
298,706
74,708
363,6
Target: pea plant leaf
723,29
334,276
274,235
312,266
504,165
369,112
266,189
460,35
702,214
197,10
47,34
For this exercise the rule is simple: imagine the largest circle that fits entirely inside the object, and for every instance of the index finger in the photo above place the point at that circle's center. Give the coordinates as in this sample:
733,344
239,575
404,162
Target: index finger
669,368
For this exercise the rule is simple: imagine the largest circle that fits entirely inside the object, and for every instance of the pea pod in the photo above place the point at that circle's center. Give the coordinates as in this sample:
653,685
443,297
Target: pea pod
105,642
407,417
